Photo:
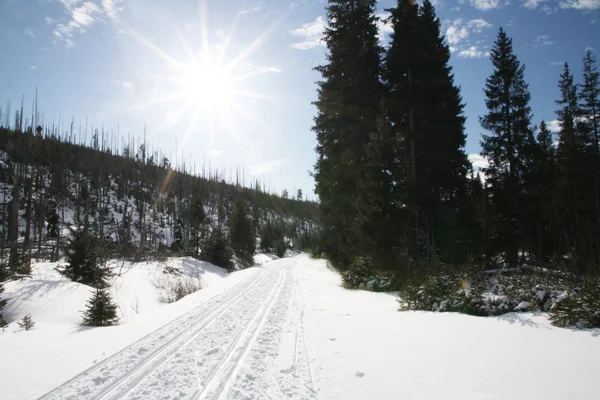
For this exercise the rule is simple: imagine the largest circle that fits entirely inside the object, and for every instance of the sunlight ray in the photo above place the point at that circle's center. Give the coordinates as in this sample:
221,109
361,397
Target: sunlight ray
157,50
203,17
257,43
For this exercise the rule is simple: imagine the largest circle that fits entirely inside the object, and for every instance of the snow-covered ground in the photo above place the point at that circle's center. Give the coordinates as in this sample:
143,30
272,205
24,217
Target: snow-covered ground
288,329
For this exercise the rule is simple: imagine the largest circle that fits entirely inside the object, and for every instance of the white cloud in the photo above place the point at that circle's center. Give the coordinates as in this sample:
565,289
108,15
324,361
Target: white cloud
458,33
545,40
111,8
557,63
581,4
29,32
532,4
311,33
478,25
478,161
250,10
553,126
81,18
486,5
33,67
81,15
259,69
473,52
384,26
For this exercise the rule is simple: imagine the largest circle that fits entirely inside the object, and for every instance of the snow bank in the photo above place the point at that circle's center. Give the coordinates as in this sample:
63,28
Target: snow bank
59,346
362,347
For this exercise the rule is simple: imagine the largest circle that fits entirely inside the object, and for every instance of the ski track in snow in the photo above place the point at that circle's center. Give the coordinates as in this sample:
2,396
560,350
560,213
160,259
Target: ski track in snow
246,343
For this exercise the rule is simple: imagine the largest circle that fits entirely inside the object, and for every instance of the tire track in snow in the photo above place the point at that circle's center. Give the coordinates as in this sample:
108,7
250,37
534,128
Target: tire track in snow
103,377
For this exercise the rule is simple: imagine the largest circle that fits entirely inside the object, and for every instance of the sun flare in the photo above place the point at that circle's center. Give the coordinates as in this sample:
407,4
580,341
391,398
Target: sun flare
206,86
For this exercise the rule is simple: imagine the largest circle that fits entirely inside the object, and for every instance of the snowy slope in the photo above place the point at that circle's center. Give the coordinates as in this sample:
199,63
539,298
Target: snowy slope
59,347
289,330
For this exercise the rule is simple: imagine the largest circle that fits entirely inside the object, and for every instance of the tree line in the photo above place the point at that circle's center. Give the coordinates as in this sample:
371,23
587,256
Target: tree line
397,190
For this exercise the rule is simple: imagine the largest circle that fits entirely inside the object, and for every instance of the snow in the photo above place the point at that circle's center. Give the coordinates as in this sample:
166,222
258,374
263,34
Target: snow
288,330
59,347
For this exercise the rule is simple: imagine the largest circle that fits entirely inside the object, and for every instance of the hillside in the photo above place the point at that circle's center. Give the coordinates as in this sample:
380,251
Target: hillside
137,203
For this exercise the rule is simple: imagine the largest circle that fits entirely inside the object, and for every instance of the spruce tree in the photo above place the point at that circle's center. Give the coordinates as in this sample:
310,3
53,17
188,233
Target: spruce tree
425,149
85,263
509,148
243,240
100,309
26,322
576,176
589,97
543,196
348,105
3,303
217,249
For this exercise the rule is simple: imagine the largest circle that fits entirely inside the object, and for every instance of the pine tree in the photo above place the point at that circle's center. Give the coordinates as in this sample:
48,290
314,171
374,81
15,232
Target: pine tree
348,105
589,96
542,188
576,173
243,240
26,323
85,264
421,145
217,250
510,147
100,309
3,302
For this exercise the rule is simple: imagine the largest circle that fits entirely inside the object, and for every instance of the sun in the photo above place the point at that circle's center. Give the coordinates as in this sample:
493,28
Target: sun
206,86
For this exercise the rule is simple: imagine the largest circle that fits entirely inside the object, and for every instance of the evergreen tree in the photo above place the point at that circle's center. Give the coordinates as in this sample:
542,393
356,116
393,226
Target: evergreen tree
217,249
3,301
348,105
85,263
243,240
543,196
590,97
510,147
197,222
421,145
100,309
26,323
576,177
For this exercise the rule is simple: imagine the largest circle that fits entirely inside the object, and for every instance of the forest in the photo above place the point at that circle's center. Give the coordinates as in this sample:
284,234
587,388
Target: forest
91,199
402,207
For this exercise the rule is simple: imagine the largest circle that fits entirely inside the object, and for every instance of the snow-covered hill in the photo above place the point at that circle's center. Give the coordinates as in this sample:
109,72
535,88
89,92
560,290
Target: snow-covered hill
287,329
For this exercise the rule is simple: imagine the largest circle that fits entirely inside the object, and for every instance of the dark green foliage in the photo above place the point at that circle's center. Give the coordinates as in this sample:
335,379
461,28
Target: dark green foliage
85,261
217,250
26,323
360,275
272,239
100,309
510,148
348,104
3,301
242,233
568,311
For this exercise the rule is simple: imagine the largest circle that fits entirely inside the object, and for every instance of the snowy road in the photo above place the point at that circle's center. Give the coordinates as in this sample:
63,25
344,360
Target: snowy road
288,330
248,342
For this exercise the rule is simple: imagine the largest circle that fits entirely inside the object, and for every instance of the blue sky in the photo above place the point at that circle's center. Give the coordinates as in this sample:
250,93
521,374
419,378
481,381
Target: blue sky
230,82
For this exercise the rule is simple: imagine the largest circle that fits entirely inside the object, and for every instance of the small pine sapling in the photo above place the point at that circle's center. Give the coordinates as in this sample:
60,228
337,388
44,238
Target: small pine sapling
26,323
100,311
